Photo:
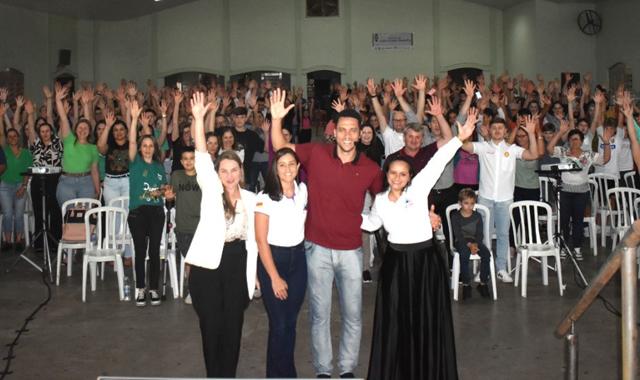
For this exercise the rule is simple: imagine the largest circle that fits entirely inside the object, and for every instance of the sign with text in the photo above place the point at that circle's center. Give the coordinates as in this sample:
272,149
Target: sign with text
386,41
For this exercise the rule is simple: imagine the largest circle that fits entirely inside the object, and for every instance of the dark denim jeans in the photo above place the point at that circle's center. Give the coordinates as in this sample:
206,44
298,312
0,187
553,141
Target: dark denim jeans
283,314
465,253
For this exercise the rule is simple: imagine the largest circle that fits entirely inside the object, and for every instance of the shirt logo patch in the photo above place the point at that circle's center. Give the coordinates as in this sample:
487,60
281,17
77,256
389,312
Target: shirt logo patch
259,204
506,154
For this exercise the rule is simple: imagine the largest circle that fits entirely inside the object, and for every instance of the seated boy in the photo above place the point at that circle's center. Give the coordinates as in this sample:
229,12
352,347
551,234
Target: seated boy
468,238
186,192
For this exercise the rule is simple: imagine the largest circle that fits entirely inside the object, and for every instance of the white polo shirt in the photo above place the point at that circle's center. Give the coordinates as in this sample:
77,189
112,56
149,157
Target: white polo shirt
497,169
286,217
393,141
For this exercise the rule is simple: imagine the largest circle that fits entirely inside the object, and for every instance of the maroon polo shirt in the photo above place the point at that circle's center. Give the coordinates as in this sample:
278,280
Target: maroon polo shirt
418,161
336,194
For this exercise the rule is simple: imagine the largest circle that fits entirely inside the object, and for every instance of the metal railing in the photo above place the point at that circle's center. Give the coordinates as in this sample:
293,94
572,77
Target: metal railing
623,257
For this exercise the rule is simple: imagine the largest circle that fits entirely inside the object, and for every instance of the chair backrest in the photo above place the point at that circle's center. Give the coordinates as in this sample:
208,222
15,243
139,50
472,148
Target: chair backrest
630,179
604,182
593,194
87,203
622,200
546,189
486,218
122,202
531,225
105,220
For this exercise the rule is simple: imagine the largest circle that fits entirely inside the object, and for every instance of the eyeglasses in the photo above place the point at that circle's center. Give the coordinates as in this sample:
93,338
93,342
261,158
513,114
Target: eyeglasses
400,120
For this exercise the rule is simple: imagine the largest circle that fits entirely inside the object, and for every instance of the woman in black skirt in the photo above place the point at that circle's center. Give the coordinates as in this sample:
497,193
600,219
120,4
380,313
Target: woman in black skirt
412,330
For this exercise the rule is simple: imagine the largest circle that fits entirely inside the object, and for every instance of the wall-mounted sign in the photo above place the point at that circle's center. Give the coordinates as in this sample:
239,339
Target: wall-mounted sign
384,41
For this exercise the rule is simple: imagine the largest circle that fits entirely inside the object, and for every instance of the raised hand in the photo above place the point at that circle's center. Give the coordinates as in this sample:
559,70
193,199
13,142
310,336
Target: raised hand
465,131
61,92
278,111
530,124
198,108
145,118
571,93
135,109
109,118
371,87
420,83
435,106
29,107
398,88
131,89
178,96
599,97
19,101
47,92
564,126
469,88
164,107
337,105
265,126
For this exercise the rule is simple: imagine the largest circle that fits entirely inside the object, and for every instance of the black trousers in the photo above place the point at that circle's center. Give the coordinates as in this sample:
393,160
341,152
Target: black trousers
572,208
52,211
146,224
220,298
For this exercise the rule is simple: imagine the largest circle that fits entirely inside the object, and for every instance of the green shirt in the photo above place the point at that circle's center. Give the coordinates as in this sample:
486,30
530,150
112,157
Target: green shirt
77,157
526,176
16,165
144,178
188,197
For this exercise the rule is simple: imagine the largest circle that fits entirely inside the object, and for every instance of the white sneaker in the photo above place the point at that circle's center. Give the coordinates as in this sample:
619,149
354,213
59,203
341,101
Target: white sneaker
504,276
187,299
477,277
578,252
141,297
155,298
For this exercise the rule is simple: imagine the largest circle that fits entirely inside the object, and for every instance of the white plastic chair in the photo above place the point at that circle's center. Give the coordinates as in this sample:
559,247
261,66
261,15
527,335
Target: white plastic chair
591,219
603,180
529,241
64,245
475,258
168,252
630,180
109,249
621,203
548,196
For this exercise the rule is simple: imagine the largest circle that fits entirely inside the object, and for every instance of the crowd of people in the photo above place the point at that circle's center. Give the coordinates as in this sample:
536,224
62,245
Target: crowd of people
260,206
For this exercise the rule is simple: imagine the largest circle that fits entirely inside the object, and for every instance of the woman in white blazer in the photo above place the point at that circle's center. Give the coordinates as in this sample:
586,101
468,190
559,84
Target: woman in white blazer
223,253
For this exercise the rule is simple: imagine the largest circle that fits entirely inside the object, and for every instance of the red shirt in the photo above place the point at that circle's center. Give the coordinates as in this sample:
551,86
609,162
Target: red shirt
336,195
418,161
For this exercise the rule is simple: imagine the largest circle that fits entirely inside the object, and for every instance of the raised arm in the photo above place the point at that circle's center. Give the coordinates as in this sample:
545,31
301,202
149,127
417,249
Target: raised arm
177,99
133,129
377,107
557,137
530,125
278,112
62,108
469,90
399,91
3,110
199,110
17,115
435,110
472,115
421,83
163,122
103,139
599,99
30,108
48,101
627,109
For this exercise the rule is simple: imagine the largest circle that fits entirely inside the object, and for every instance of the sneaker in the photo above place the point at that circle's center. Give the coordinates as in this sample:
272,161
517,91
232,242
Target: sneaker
578,252
466,291
563,254
141,297
476,278
366,277
323,376
483,289
504,276
257,293
155,298
187,299
347,375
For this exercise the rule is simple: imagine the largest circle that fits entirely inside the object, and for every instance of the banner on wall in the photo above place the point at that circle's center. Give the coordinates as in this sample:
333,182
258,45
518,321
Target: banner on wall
386,41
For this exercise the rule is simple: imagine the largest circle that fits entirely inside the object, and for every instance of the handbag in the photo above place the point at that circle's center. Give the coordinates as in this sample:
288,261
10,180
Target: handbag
73,225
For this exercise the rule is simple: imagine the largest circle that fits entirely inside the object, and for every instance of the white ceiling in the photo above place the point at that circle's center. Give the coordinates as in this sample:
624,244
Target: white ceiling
503,4
96,9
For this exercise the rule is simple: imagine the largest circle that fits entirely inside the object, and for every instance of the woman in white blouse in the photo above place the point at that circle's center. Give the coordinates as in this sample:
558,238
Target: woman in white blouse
223,253
413,331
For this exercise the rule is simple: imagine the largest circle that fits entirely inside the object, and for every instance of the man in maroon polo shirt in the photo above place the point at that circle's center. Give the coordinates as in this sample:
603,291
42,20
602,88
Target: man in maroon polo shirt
338,178
413,150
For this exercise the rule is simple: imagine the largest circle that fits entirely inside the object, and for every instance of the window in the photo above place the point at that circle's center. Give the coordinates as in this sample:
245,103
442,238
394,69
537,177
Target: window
323,8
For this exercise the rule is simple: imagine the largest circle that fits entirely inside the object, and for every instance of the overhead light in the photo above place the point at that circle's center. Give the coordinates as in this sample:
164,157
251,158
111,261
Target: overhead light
157,1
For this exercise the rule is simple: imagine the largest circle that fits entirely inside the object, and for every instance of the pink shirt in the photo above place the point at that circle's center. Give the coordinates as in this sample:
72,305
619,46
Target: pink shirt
466,170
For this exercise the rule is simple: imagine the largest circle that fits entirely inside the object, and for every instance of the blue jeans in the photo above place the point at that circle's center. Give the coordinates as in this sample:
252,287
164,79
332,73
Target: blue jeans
291,264
12,208
113,188
500,219
323,264
465,253
74,187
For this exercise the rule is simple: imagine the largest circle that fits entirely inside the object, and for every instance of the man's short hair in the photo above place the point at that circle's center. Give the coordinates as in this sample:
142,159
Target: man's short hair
414,127
352,114
239,111
498,120
548,127
610,122
187,149
467,193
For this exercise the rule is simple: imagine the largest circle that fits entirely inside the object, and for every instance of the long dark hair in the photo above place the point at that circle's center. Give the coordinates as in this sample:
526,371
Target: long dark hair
229,207
235,138
272,185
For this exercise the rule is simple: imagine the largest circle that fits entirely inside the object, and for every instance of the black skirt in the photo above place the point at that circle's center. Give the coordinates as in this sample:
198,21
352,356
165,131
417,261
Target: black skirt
412,329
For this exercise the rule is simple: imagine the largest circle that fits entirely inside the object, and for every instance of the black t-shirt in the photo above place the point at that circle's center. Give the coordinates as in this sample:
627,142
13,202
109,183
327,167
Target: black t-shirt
375,150
116,161
251,143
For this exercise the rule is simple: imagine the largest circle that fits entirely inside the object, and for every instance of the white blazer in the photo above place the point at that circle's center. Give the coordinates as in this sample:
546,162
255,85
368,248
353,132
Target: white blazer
208,241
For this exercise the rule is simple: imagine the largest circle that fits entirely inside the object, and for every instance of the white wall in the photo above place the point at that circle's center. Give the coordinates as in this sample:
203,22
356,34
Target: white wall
520,39
619,40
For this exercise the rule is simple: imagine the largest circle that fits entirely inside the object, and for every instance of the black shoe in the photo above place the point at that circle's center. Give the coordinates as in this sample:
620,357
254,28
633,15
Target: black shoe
19,246
323,376
155,298
6,246
347,375
366,277
466,291
483,289
141,297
